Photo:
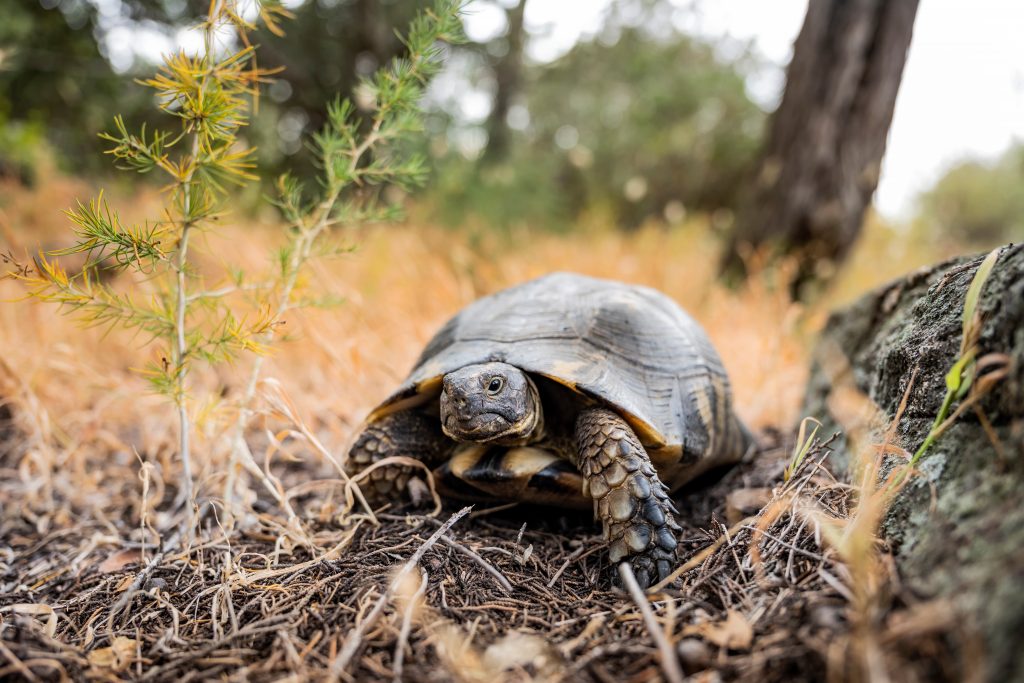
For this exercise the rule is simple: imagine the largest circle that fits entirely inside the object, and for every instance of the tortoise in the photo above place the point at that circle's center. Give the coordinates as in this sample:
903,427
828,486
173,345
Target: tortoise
570,391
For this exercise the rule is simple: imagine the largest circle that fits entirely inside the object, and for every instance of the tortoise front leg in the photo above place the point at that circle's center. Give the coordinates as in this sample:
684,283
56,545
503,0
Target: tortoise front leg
406,433
629,498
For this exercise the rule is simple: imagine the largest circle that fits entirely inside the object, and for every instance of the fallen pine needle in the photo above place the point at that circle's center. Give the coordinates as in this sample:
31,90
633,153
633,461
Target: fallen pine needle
697,559
141,578
353,642
505,584
403,634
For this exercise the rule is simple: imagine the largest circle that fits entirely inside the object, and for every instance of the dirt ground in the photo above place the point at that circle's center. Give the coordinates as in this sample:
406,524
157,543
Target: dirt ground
508,594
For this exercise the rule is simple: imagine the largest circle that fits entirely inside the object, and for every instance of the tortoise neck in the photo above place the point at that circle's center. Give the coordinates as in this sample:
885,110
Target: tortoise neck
537,433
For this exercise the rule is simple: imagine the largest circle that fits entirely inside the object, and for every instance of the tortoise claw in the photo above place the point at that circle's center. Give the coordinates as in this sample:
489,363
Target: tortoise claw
643,578
664,569
651,566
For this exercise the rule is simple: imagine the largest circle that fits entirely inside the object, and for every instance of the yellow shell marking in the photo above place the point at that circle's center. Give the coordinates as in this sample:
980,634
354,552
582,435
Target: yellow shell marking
703,400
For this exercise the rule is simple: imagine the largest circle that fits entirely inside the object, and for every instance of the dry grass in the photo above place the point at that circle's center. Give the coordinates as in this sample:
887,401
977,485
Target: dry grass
398,287
87,467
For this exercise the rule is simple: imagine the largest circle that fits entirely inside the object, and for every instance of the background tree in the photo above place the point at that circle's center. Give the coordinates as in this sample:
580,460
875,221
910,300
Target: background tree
823,154
507,66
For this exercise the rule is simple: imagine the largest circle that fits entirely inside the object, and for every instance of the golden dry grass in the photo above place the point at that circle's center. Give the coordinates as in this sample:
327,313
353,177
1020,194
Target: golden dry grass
398,287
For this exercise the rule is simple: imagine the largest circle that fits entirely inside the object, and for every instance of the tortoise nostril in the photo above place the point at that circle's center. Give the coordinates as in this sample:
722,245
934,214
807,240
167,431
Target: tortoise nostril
454,395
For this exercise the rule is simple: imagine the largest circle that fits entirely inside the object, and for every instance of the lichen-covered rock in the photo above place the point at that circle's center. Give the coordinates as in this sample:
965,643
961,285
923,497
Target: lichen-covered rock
957,529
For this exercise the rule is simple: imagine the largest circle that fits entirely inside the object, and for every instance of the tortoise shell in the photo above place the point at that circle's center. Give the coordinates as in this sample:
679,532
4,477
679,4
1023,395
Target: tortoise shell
629,347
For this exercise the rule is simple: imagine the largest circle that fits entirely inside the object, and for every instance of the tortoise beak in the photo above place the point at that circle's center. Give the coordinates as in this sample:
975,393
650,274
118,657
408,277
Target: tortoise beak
478,427
465,418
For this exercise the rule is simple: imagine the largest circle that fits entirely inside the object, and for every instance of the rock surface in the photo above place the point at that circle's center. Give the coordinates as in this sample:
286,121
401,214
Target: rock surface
957,529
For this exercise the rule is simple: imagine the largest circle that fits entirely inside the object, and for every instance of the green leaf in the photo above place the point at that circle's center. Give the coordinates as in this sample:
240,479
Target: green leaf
968,378
959,377
803,446
974,291
953,376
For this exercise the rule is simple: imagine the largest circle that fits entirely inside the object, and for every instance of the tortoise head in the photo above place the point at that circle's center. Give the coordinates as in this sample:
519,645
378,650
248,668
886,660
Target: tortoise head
491,403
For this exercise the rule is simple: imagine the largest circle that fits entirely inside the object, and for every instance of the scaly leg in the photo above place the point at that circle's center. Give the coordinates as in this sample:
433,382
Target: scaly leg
629,498
406,433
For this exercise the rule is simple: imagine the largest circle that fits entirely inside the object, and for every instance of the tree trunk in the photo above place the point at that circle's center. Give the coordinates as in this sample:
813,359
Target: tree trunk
824,150
507,77
957,528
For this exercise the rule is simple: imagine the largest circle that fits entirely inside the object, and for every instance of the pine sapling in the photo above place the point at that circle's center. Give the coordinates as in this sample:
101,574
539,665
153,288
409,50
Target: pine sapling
203,157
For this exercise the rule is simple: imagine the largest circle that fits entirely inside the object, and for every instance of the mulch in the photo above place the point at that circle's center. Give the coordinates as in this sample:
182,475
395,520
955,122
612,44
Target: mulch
507,594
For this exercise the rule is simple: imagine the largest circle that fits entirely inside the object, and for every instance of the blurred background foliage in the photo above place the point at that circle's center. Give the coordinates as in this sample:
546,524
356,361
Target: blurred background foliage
977,201
630,123
55,87
638,122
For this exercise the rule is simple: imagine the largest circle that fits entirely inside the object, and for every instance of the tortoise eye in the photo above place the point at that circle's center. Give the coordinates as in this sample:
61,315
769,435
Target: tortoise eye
495,385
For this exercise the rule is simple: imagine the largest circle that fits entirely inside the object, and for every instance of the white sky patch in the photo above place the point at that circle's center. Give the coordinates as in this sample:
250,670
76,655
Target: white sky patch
769,27
484,21
556,25
190,40
962,95
475,106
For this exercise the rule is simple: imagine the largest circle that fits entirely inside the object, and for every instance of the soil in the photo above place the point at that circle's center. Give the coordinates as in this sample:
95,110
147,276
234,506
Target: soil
76,603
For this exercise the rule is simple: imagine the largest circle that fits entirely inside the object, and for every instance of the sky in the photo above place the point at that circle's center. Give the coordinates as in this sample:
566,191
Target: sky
962,94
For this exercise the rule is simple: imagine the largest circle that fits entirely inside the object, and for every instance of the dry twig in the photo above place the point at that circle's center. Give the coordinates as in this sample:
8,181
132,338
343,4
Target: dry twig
669,660
488,567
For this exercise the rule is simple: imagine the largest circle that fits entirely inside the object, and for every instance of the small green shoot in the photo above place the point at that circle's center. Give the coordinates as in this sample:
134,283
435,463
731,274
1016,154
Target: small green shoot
963,381
803,446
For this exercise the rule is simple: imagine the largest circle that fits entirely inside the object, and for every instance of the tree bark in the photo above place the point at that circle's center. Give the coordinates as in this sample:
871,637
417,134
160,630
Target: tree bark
826,140
957,528
508,77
